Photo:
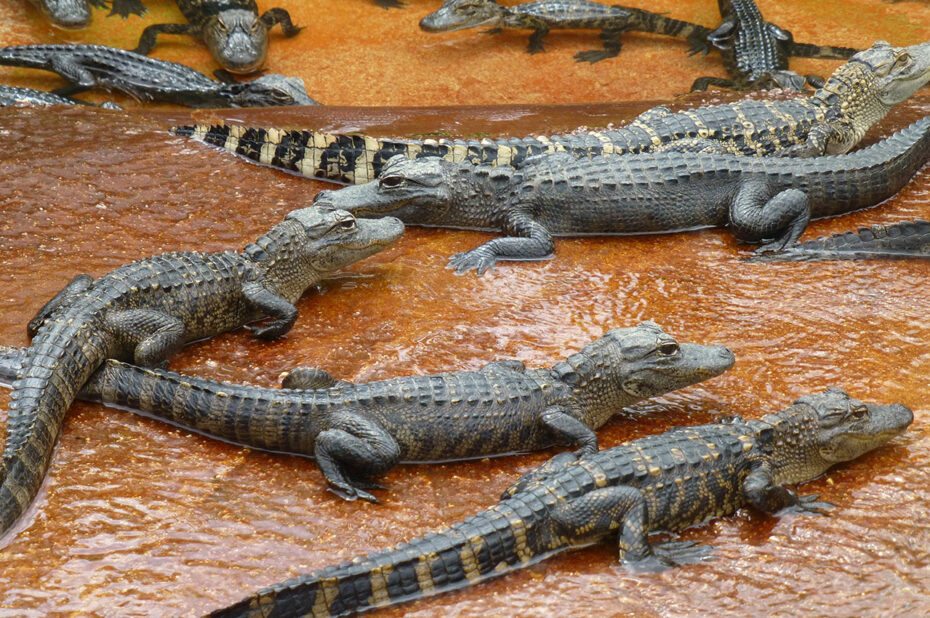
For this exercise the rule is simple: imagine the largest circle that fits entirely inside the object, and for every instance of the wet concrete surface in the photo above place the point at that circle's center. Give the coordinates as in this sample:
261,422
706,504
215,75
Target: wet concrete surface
140,518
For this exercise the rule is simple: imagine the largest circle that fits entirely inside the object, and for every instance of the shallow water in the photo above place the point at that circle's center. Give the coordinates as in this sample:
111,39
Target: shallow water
140,518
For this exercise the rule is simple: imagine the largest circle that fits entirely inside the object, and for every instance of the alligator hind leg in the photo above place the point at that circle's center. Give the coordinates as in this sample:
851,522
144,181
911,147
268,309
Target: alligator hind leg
75,287
353,442
81,79
310,378
505,366
758,212
702,83
155,335
125,8
150,35
612,46
536,40
280,16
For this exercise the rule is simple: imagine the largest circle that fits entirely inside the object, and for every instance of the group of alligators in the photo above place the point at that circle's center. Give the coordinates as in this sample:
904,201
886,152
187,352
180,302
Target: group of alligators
763,168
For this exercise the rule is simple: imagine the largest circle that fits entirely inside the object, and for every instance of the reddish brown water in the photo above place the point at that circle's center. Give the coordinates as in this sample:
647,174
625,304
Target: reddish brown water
139,518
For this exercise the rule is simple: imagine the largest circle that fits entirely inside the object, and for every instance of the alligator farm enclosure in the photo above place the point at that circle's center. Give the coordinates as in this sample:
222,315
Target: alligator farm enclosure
141,518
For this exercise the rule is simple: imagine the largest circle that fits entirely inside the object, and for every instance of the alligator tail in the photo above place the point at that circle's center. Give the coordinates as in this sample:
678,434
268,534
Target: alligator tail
485,545
906,240
832,52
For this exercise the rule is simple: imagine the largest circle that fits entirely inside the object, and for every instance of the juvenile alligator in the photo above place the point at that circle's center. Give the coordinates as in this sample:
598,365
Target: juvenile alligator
906,240
546,15
831,121
758,198
659,483
147,309
755,52
232,30
149,79
76,14
14,95
358,431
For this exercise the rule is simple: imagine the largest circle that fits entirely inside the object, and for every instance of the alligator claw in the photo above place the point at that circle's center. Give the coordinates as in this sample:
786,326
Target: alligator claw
808,505
594,55
467,260
270,331
350,493
677,553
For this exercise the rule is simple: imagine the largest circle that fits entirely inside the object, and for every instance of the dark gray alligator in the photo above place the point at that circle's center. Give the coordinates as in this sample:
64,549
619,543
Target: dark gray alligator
832,121
232,29
76,14
147,309
150,79
545,15
357,431
665,482
905,240
758,198
755,52
14,95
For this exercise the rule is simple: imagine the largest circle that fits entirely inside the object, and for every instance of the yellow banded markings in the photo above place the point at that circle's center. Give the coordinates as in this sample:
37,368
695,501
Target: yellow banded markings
378,578
469,557
424,571
327,592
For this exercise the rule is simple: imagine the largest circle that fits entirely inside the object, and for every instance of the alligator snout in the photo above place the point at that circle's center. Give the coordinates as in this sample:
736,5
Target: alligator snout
322,195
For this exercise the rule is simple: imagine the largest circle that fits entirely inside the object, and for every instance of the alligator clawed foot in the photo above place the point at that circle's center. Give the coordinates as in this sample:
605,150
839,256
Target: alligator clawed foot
677,553
390,4
267,332
349,492
474,259
594,55
808,505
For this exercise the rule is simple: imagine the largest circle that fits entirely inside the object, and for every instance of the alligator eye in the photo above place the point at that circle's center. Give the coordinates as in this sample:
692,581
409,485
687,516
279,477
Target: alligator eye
347,225
858,412
668,349
903,59
221,26
391,181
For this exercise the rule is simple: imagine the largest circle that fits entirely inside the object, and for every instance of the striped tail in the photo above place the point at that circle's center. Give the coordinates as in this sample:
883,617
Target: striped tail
831,52
357,159
486,545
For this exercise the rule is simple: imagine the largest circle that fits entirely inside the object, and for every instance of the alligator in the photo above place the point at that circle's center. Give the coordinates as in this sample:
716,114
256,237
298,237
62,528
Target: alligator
664,482
232,30
832,121
147,309
76,14
546,15
905,240
767,200
150,79
14,96
755,52
357,431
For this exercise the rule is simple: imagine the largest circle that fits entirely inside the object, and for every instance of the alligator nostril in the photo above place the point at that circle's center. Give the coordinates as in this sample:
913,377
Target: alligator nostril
321,195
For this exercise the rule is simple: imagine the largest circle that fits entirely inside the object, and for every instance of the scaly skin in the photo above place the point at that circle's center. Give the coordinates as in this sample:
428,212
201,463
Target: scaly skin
236,36
758,198
906,240
832,121
69,14
13,95
357,431
660,483
546,15
755,52
147,309
150,79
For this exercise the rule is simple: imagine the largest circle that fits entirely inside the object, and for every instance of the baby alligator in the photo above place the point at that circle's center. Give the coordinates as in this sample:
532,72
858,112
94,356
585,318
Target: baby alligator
831,121
147,309
13,95
755,52
75,14
758,198
906,240
546,15
234,33
659,483
149,79
357,431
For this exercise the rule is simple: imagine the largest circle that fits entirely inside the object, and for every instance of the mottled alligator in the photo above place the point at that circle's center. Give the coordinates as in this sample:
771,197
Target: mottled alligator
758,198
906,240
150,79
357,431
232,30
546,15
831,121
755,52
14,95
147,309
659,483
76,14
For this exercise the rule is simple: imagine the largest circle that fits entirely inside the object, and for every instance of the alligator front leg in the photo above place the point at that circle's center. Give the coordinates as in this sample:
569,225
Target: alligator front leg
280,16
762,493
357,444
390,4
702,83
757,213
155,335
835,136
532,242
566,429
612,46
536,40
150,35
621,510
282,312
81,79
125,8
75,287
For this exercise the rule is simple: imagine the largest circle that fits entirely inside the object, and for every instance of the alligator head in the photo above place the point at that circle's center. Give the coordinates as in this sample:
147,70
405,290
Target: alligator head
461,14
326,238
630,364
70,14
238,39
271,89
827,428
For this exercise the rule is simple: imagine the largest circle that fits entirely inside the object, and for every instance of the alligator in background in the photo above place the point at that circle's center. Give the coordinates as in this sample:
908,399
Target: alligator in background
150,79
761,199
905,240
147,309
232,30
358,431
11,96
665,482
76,14
832,121
755,52
546,15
